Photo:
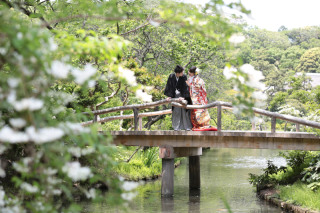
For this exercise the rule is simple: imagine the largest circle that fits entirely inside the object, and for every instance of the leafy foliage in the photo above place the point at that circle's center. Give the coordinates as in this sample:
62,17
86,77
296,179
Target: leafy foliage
296,170
310,61
265,180
44,150
311,174
145,164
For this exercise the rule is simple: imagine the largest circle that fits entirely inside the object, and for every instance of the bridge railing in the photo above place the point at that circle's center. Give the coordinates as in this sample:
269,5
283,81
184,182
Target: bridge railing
182,103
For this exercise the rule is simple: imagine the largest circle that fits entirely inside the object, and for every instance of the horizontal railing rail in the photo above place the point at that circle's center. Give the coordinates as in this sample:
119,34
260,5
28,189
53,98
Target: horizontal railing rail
182,103
136,106
119,117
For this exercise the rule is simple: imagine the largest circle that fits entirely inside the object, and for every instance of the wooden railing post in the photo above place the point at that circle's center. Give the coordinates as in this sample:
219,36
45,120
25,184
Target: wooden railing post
219,117
297,127
273,124
140,124
95,119
253,125
135,118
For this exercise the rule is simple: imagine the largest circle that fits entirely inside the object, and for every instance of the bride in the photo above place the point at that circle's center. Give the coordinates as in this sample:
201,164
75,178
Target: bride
200,118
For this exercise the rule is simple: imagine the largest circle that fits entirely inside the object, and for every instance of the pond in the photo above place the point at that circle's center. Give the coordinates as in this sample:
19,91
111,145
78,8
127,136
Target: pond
224,182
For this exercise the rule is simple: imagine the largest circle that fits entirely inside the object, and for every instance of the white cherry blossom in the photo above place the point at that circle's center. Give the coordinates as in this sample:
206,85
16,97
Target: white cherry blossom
20,168
82,76
145,97
87,151
128,75
237,38
44,135
91,193
129,195
228,72
31,104
17,122
2,194
75,128
154,23
13,82
9,135
2,172
59,69
75,151
255,76
52,44
2,149
129,185
56,192
29,188
76,172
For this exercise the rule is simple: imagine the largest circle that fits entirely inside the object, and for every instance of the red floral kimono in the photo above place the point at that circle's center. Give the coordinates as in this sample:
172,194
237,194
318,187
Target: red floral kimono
200,118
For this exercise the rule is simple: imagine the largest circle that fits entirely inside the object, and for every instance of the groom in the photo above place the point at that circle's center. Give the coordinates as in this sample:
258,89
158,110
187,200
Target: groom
177,88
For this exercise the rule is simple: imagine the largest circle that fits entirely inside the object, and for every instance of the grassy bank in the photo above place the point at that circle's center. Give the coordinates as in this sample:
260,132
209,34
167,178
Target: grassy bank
300,194
144,165
298,183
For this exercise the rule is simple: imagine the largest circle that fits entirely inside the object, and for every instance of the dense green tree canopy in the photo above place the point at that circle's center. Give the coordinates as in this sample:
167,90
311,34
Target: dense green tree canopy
303,36
310,61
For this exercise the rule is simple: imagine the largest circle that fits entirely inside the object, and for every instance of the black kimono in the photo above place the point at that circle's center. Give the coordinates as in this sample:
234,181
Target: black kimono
180,85
175,89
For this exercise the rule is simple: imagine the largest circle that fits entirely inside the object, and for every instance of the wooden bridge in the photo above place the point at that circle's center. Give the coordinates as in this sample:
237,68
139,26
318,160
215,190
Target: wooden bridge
189,144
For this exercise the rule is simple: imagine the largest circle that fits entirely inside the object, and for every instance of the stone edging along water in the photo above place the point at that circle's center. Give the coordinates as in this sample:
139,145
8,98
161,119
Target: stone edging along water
270,195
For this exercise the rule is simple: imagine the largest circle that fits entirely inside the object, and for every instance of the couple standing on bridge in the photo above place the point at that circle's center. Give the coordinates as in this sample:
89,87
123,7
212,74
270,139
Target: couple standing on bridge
193,90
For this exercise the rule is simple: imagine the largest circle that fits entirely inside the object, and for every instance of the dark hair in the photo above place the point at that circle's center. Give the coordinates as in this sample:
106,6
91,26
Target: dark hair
178,69
193,69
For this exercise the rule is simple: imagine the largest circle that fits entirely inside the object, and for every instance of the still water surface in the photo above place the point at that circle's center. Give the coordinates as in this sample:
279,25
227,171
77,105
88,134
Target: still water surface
224,177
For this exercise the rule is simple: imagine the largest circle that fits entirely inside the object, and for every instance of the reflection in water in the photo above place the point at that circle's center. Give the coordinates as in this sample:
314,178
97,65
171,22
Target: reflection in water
194,201
167,204
224,174
255,162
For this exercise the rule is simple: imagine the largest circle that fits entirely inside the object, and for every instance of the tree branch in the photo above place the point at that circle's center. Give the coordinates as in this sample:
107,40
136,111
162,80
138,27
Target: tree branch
188,62
124,102
85,16
137,28
110,96
153,120
127,161
27,12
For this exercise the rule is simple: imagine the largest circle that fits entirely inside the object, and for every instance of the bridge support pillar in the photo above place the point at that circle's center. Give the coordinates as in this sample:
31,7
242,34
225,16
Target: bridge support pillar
194,172
168,153
167,177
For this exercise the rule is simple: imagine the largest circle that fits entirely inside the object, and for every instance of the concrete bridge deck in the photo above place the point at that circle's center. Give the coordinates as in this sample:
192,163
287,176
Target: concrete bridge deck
219,139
